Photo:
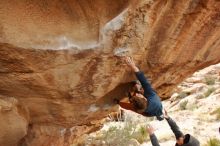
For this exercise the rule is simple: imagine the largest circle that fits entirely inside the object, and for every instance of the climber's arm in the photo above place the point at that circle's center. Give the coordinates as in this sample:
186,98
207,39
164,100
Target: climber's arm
140,76
173,126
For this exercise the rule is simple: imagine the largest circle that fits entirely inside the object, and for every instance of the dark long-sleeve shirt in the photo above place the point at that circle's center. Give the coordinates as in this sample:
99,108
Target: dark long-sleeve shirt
174,127
154,140
154,107
189,140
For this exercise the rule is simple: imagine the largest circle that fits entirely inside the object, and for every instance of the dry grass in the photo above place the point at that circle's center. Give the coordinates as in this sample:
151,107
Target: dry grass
217,113
209,91
213,142
119,135
209,80
183,105
183,94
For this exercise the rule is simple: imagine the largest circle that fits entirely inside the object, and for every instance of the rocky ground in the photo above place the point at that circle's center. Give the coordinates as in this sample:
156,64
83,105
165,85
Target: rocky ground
193,106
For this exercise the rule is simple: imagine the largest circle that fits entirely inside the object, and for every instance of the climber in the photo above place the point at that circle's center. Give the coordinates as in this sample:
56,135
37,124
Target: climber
143,99
181,139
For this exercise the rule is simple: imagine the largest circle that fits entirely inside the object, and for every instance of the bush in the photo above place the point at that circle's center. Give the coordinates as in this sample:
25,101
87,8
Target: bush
209,80
183,94
209,91
119,135
217,112
142,134
213,142
200,96
183,105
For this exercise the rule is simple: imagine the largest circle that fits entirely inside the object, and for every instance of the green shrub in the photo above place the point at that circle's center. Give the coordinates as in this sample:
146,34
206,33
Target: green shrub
142,134
213,142
209,91
120,135
209,80
183,94
183,105
200,96
217,112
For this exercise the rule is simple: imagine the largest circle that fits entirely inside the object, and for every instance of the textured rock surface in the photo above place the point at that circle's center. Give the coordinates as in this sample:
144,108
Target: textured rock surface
58,57
13,121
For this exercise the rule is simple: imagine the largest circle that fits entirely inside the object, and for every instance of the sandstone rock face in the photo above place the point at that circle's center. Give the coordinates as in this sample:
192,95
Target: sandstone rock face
58,58
13,121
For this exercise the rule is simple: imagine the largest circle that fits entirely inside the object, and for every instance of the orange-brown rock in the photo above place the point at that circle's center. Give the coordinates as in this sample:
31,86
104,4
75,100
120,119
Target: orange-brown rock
13,121
58,58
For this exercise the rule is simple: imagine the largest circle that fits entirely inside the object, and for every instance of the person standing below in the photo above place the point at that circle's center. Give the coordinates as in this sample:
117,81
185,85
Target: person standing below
181,139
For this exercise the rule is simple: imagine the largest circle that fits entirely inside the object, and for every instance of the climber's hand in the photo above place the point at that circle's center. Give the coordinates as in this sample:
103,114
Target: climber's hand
130,62
165,114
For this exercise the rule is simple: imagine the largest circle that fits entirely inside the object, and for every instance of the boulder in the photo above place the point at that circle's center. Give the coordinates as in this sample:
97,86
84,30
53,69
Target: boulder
60,58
